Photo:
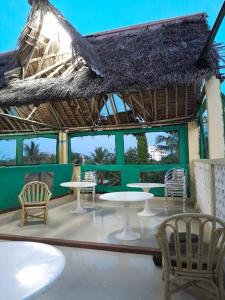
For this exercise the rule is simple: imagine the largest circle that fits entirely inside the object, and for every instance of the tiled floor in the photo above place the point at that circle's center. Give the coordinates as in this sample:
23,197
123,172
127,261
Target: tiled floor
99,225
102,275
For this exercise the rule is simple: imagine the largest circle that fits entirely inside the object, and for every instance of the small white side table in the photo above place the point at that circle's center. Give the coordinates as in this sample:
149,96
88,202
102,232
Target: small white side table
145,186
78,185
27,269
127,233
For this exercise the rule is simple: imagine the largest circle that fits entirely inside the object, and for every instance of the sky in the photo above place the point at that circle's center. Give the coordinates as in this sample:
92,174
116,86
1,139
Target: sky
92,16
98,15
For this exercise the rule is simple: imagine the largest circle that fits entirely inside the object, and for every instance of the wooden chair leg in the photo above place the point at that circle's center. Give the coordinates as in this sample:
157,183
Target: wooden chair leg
167,294
22,222
46,216
221,287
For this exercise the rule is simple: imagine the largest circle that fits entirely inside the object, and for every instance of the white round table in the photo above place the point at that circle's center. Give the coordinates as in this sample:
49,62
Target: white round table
78,185
146,186
27,269
127,233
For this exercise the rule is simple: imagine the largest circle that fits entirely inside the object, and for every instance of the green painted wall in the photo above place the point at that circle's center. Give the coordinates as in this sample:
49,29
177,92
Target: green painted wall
12,181
12,178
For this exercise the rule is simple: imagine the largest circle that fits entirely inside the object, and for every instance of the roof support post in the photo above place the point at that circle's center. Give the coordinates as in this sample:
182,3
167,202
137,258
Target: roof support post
193,151
63,147
215,118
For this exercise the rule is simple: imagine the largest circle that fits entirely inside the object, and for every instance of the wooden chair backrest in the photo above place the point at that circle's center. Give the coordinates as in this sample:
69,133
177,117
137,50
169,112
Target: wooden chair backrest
203,253
35,192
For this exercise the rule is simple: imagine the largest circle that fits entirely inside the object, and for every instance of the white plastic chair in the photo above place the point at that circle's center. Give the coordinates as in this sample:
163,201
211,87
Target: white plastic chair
89,176
176,185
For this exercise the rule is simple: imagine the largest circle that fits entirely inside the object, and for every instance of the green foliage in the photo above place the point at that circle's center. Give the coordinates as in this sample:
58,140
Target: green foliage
100,156
171,142
157,177
130,156
142,149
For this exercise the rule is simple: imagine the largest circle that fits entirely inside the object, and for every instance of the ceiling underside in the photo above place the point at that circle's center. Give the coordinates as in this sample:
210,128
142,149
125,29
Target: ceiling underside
136,108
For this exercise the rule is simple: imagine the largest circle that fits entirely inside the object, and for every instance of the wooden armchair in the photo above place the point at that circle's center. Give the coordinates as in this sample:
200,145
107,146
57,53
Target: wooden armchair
34,197
193,248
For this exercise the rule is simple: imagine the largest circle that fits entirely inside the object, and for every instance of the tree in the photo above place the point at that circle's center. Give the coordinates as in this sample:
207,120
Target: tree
168,143
142,149
102,156
130,156
32,152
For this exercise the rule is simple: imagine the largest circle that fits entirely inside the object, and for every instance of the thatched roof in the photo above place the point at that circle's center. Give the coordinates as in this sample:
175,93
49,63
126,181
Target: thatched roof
153,55
153,66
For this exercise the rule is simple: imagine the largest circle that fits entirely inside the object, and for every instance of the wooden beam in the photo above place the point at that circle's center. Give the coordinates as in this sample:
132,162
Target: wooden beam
22,120
141,106
55,115
63,61
107,110
125,108
64,112
80,112
135,125
29,57
89,111
115,113
131,103
152,104
73,108
56,71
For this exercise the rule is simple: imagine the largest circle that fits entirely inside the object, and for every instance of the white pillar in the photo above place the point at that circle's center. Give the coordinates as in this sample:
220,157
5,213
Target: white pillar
63,147
193,151
215,118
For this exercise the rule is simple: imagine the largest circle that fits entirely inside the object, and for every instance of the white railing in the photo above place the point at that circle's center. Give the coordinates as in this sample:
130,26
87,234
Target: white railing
210,186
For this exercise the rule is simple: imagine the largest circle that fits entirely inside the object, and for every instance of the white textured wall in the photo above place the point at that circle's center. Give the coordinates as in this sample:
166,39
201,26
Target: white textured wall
203,187
219,172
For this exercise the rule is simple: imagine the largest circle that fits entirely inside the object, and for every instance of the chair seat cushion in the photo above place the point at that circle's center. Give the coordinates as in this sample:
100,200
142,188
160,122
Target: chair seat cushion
194,252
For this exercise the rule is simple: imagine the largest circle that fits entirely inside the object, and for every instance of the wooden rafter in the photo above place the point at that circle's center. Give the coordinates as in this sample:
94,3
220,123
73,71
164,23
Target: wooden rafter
50,68
115,113
26,121
107,110
125,108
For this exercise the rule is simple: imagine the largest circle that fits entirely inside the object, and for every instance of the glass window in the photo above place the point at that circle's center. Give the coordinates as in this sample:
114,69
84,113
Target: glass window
39,150
151,148
109,178
98,149
7,152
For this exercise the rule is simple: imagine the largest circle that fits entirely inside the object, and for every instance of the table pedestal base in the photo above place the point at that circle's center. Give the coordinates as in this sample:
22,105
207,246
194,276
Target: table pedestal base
128,236
78,210
146,212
